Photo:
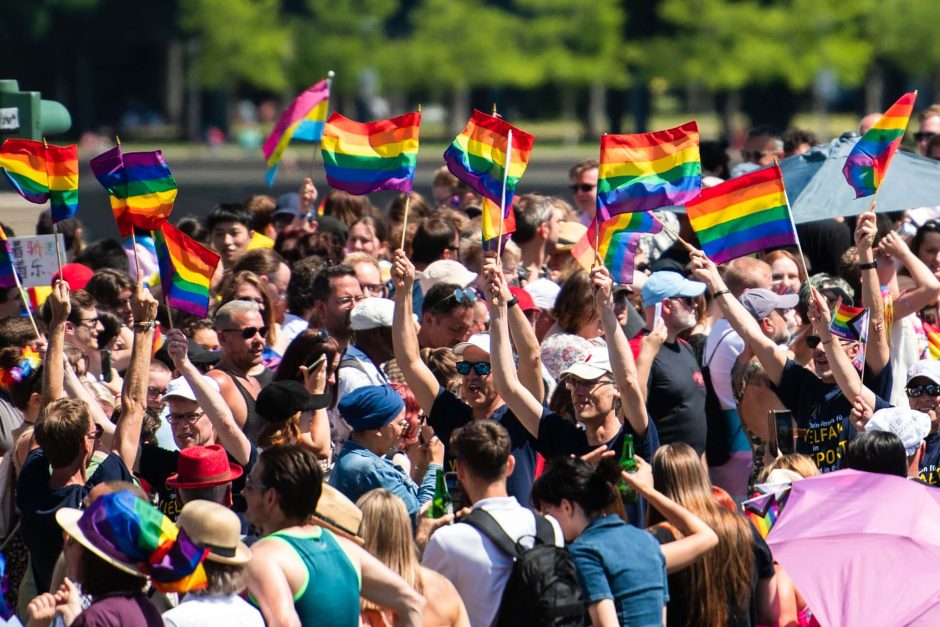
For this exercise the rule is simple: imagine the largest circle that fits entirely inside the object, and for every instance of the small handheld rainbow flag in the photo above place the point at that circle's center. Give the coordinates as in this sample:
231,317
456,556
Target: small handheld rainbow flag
41,172
764,510
364,157
850,323
186,269
648,170
140,185
745,215
489,221
7,269
867,163
616,244
302,120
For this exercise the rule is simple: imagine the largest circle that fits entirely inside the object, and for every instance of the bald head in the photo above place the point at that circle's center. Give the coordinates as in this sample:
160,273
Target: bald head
747,273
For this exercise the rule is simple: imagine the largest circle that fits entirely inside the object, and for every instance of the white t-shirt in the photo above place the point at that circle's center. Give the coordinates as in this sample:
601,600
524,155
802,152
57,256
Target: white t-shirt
213,611
720,355
476,566
292,327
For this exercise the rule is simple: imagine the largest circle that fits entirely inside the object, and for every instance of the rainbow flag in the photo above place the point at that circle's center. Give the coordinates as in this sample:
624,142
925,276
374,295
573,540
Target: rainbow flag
933,341
41,172
745,215
617,242
489,220
866,165
186,268
7,270
850,323
302,120
648,170
764,510
141,187
364,157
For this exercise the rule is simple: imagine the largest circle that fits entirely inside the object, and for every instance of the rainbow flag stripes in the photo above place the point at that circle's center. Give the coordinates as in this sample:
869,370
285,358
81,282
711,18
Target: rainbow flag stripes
7,271
866,165
648,170
41,172
490,222
850,323
186,269
745,215
302,120
364,157
616,244
141,187
478,156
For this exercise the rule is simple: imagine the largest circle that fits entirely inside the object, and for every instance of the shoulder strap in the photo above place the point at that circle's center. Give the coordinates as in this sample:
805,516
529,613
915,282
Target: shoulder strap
708,362
351,362
544,530
483,521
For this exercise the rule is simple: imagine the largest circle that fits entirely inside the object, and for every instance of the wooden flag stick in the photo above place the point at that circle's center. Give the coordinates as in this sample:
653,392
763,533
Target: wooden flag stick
169,313
55,225
597,230
25,297
136,260
689,247
313,162
502,202
404,224
796,235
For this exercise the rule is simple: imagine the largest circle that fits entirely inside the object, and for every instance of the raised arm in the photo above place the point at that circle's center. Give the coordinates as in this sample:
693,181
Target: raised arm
772,357
230,435
126,439
417,375
877,352
53,371
844,372
528,351
926,286
526,407
632,391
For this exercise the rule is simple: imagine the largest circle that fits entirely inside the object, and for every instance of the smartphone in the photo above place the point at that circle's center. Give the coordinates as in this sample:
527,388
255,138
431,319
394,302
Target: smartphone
782,429
657,315
106,374
316,364
457,496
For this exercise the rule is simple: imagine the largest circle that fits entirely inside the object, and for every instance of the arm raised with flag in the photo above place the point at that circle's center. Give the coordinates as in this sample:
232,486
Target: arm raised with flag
877,351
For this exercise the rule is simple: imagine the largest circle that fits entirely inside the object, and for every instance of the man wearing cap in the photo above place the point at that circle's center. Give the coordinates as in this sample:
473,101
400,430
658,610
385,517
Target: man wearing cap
911,427
217,529
376,415
336,291
536,234
819,400
923,394
479,397
199,417
361,365
676,388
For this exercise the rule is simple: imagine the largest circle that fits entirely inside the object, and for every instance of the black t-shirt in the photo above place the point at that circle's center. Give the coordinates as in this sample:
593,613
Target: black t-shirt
157,464
450,413
559,437
929,471
38,503
676,399
823,413
680,582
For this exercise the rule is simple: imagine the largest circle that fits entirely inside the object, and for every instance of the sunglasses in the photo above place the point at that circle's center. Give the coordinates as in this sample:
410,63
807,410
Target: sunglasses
582,187
916,391
482,368
464,296
249,332
923,137
755,155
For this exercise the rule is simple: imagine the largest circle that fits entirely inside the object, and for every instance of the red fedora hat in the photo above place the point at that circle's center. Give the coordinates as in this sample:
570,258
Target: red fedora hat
203,467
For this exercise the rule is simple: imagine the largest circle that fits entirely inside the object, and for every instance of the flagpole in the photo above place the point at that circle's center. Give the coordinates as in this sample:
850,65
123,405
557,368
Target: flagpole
404,224
796,234
169,312
502,202
117,141
25,296
55,224
689,247
597,230
329,81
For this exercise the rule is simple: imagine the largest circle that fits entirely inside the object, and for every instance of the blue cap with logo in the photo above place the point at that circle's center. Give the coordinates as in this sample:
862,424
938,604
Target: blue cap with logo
668,284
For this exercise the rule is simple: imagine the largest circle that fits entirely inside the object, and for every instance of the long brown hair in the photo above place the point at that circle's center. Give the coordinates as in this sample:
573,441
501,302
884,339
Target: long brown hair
280,432
719,583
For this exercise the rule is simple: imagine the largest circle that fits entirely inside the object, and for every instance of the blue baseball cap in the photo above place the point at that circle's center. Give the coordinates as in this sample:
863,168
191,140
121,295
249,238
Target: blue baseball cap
668,284
288,204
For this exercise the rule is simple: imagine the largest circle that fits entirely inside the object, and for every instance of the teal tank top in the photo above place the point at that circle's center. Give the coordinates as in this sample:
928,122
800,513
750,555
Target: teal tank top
330,595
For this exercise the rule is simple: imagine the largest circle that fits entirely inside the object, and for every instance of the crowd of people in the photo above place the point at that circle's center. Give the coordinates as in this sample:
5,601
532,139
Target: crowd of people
289,460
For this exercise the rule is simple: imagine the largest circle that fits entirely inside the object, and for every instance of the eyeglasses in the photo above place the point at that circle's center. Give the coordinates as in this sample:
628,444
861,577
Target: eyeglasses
251,485
191,417
482,368
373,289
923,137
755,155
249,332
582,187
580,384
85,322
349,300
96,434
154,391
688,301
916,391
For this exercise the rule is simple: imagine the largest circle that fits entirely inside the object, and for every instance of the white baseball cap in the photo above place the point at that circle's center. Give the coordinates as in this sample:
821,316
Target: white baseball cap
544,292
594,365
910,425
445,271
927,368
180,387
372,313
479,340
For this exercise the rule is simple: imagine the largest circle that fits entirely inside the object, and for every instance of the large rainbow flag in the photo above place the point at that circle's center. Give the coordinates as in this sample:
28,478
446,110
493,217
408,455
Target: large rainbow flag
867,163
647,171
364,157
303,120
41,172
140,185
186,269
478,158
745,215
617,240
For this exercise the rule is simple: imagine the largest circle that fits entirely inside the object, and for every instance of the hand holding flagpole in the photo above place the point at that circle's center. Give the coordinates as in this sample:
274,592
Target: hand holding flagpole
502,203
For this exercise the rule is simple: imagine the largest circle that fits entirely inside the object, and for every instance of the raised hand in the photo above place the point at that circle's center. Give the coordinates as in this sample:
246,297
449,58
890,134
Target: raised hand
143,305
59,302
865,231
177,346
818,312
308,196
705,270
893,245
603,286
403,271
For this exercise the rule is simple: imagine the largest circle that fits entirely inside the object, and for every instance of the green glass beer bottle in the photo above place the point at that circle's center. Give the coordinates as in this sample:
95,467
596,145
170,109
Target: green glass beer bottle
628,464
441,504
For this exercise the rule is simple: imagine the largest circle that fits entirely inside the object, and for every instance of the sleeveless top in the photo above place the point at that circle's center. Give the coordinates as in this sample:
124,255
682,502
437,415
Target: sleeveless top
330,595
253,421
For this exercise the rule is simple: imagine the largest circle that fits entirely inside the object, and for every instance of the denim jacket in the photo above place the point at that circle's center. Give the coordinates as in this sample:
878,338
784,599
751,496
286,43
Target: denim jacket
358,470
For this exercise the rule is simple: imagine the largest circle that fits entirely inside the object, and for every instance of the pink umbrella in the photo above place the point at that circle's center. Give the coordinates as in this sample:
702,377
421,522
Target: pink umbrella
863,548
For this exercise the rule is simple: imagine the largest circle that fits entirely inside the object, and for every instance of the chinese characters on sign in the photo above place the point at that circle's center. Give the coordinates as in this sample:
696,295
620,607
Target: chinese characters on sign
35,260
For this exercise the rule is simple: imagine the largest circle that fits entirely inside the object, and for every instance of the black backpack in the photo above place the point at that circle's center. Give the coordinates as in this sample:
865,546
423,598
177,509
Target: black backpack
543,587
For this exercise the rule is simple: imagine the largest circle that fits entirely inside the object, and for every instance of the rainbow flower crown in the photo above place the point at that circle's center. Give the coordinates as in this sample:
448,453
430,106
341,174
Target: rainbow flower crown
26,366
